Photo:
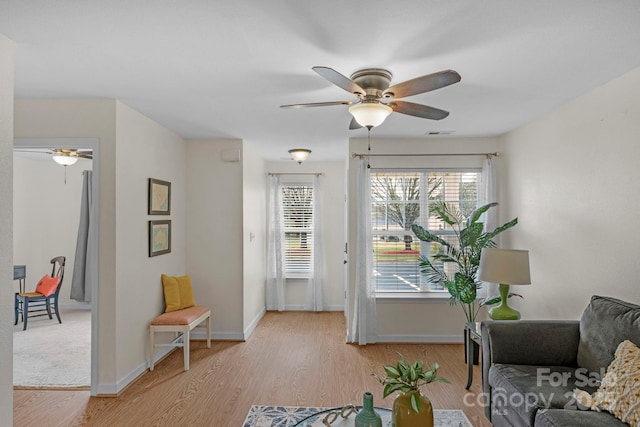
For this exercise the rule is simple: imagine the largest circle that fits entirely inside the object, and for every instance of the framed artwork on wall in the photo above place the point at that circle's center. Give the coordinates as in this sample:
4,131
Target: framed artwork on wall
159,197
159,237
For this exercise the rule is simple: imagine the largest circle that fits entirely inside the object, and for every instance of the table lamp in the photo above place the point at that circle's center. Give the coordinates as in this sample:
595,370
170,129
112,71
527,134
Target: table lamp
505,267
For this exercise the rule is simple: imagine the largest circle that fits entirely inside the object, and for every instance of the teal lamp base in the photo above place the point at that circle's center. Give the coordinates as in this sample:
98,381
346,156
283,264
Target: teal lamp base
503,311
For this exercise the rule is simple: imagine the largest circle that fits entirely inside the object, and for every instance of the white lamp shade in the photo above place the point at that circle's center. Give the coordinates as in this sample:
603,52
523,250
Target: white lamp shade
504,266
370,114
299,154
64,159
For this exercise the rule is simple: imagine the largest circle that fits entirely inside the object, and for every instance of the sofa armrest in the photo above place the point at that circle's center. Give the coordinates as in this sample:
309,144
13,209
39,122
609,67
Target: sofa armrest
527,342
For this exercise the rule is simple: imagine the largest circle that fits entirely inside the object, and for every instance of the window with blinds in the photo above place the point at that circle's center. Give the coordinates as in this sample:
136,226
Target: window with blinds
297,210
400,199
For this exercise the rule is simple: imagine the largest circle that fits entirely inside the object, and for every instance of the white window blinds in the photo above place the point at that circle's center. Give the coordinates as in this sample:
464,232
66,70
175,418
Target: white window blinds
402,198
297,210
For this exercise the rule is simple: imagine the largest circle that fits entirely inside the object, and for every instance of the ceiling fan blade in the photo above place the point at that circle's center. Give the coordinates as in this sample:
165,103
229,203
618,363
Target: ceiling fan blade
418,110
354,124
32,150
423,84
85,155
339,80
317,104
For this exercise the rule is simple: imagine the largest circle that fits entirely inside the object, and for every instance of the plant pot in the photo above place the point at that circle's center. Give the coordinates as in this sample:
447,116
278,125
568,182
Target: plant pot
476,348
403,415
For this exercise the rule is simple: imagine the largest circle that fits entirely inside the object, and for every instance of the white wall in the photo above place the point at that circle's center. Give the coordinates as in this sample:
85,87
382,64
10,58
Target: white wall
413,321
6,229
82,118
215,233
46,217
144,149
254,237
572,177
333,193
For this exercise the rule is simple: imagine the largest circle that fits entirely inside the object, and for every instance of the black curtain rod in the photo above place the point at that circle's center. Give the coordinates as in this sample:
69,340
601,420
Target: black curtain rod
293,173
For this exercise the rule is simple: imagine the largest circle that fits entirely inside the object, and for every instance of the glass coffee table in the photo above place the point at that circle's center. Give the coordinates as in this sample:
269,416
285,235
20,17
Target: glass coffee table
345,417
342,417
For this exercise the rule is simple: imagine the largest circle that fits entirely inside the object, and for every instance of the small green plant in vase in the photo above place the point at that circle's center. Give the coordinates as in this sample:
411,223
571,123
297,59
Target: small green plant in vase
410,408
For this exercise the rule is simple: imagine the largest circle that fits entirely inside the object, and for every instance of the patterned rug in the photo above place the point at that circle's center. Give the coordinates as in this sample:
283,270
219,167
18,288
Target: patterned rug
289,416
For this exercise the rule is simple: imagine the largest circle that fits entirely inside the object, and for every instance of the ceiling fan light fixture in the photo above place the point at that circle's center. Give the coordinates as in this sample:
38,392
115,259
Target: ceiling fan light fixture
370,113
299,154
64,159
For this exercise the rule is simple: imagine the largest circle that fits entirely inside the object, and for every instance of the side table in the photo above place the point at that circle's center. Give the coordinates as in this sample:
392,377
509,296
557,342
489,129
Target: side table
474,338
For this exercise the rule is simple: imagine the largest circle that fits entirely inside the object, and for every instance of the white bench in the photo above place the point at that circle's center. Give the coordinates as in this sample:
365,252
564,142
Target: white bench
182,322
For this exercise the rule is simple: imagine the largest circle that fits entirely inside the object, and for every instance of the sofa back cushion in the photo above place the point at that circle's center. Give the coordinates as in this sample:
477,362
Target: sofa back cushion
605,323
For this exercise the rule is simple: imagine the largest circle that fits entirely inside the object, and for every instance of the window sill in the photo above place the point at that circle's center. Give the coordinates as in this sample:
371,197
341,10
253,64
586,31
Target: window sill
417,297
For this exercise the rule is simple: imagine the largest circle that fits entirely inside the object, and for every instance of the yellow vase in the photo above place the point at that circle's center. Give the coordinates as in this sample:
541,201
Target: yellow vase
403,415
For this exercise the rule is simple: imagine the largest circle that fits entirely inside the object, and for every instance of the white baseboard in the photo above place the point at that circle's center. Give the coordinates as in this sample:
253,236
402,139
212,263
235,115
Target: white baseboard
254,324
303,308
428,339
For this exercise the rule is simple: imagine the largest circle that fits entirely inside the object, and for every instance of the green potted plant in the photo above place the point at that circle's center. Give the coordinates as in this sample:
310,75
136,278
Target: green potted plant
463,254
411,407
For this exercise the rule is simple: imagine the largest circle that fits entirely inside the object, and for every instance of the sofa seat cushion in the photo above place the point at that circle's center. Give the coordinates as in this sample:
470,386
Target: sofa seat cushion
526,388
561,417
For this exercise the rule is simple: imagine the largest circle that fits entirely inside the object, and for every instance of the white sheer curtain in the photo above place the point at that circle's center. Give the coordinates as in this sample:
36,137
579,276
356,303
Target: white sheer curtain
488,194
364,328
317,288
275,252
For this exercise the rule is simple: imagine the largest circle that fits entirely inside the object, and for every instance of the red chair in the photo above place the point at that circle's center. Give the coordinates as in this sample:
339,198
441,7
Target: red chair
34,304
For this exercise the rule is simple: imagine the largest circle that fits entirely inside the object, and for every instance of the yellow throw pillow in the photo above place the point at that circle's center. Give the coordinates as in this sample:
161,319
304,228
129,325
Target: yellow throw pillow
178,293
186,292
619,392
171,293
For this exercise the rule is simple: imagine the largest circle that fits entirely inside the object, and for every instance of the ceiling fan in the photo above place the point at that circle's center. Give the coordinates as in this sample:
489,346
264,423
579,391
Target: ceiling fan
62,156
377,99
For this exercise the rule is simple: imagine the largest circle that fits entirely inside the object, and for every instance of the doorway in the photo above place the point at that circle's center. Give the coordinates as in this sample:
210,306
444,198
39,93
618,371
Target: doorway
35,223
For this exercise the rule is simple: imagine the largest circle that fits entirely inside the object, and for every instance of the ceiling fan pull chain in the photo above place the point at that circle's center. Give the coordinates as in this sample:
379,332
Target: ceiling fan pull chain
368,145
65,174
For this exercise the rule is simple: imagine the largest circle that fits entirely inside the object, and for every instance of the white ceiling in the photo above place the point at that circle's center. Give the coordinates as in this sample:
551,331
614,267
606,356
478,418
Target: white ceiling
221,69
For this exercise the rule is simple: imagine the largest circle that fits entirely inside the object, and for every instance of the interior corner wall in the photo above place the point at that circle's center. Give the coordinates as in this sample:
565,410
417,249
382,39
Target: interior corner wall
38,182
82,118
426,321
6,229
332,203
572,179
253,237
144,149
214,242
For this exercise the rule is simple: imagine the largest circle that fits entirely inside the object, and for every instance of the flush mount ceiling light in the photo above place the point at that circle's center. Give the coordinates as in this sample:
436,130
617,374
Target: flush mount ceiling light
299,154
370,114
64,158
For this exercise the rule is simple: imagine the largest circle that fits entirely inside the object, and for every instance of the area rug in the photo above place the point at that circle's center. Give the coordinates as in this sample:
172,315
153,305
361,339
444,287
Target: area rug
289,416
53,355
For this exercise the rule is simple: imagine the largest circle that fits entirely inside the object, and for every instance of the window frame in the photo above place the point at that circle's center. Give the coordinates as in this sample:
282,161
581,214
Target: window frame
425,292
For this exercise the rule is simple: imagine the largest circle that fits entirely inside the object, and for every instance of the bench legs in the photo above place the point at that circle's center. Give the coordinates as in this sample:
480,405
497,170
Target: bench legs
185,330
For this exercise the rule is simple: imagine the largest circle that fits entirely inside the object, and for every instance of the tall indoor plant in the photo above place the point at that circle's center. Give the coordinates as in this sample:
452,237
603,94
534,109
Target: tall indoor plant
463,253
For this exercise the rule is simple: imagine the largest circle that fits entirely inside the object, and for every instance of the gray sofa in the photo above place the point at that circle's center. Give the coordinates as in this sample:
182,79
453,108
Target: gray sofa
530,368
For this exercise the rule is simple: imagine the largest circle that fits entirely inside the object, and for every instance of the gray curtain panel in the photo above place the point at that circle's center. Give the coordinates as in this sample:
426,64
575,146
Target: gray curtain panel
83,263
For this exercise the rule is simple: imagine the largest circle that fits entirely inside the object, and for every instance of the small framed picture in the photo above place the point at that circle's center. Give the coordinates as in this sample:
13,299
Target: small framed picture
159,197
159,237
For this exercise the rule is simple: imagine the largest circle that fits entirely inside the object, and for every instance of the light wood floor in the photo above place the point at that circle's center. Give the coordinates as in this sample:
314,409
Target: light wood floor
292,359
